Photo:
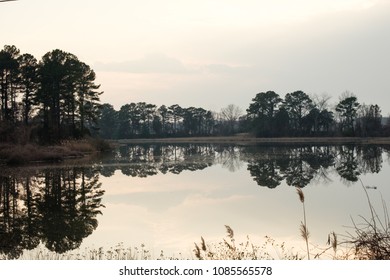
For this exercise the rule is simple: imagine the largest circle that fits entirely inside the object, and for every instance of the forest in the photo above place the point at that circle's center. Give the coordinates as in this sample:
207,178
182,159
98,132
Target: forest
56,98
46,101
298,115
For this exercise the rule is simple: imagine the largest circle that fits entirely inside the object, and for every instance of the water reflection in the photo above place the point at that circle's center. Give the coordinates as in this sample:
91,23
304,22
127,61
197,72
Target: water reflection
56,207
59,207
268,165
296,165
148,160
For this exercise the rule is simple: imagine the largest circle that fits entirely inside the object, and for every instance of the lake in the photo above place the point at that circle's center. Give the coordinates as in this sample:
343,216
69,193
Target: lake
165,197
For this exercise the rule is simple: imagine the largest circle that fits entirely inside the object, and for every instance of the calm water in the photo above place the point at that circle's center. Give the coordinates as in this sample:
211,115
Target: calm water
168,196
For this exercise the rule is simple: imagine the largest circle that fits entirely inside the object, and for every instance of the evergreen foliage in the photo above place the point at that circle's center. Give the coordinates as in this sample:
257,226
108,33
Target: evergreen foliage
56,98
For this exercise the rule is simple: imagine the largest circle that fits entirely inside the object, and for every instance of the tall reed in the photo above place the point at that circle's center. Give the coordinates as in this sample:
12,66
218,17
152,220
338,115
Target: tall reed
303,228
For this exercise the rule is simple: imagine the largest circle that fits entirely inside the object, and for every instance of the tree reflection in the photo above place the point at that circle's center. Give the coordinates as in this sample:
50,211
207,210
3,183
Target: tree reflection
229,157
269,166
347,166
148,160
296,165
263,165
11,218
56,207
371,158
265,173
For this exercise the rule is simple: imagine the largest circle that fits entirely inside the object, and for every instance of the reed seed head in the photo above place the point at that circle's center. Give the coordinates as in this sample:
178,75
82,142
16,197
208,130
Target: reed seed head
229,231
203,244
334,242
300,194
197,252
304,232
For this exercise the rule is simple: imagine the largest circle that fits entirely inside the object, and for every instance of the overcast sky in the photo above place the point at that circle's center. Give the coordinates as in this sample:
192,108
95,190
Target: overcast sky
211,53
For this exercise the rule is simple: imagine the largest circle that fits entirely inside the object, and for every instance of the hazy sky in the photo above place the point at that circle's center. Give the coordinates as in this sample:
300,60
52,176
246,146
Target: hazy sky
211,53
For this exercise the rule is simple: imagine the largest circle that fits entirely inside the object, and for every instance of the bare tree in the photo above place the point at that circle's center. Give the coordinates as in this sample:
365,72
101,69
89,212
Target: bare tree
230,115
321,101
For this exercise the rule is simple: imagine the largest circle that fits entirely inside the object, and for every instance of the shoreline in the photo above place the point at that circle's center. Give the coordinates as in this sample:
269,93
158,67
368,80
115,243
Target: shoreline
16,154
253,140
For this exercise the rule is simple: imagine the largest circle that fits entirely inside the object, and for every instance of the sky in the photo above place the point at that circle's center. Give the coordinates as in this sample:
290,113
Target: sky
212,53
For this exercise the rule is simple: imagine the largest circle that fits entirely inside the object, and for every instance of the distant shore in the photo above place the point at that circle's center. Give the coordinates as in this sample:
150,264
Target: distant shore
245,139
30,153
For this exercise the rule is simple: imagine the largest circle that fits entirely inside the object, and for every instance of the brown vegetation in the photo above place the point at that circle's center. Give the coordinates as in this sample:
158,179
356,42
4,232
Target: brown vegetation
229,250
19,154
371,237
29,153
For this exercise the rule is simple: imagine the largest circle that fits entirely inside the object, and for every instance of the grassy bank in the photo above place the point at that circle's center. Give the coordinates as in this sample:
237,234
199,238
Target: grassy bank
12,154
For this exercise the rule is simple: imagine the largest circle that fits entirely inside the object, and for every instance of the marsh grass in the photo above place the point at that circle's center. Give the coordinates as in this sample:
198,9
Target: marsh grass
14,154
118,252
228,249
20,154
88,145
370,238
303,228
82,146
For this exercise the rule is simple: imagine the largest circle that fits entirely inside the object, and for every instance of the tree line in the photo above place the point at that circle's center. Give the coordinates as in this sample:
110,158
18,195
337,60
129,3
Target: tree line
298,114
57,98
268,115
147,120
48,100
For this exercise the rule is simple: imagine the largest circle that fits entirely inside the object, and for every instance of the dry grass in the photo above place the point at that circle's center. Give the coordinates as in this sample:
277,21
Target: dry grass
87,146
227,249
20,154
118,252
303,228
28,153
368,240
371,237
82,146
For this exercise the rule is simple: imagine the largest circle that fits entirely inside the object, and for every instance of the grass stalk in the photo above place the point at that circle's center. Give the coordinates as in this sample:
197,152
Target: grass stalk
303,228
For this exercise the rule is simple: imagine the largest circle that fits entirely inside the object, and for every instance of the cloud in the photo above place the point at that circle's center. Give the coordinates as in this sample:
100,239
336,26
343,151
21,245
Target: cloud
151,63
224,69
162,64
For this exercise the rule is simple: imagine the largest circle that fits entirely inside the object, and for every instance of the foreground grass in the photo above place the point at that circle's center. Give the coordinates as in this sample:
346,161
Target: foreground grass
367,239
118,252
367,243
370,237
230,249
227,249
